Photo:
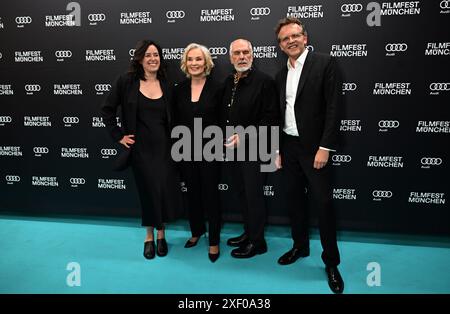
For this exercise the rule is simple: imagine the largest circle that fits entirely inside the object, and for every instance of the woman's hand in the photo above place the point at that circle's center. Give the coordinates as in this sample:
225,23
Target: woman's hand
127,140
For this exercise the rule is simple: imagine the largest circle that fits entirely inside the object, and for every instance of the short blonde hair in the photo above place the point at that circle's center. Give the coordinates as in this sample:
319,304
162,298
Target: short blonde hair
209,64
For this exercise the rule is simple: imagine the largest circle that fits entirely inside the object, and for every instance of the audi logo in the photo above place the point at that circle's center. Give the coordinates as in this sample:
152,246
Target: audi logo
175,14
222,187
109,152
131,52
429,161
218,50
396,47
40,150
102,87
69,120
98,17
77,181
5,119
351,8
260,11
341,158
445,4
388,124
32,88
23,19
11,178
348,86
63,53
440,87
383,194
310,48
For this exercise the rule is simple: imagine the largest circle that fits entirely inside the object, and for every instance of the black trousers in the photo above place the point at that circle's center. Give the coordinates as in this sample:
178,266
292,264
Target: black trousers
299,173
248,179
202,179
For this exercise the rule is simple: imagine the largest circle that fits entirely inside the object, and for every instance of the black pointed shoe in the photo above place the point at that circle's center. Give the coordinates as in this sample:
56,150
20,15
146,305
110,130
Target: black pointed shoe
249,250
190,243
334,279
238,241
213,257
149,249
161,247
293,255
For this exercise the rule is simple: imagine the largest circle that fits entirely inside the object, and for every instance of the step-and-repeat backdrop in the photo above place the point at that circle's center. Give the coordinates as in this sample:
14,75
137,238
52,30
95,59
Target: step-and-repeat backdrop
58,60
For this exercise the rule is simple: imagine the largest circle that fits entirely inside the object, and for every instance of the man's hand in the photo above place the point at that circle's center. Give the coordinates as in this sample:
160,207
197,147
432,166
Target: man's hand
233,141
321,158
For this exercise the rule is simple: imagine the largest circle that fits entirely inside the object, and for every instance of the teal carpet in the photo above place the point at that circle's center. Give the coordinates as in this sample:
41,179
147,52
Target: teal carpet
36,251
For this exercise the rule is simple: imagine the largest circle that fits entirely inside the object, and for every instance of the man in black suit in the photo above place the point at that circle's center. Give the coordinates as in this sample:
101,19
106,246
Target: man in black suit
309,99
249,100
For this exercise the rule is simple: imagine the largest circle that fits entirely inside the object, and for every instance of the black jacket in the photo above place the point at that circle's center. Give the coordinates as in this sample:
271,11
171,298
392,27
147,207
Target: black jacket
124,95
317,102
208,104
255,102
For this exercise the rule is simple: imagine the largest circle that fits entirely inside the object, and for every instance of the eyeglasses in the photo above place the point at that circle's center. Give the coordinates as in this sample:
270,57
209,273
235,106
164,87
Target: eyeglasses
238,52
293,36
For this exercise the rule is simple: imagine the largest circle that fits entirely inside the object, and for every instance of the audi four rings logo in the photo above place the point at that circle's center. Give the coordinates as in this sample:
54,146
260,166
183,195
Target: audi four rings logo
100,17
445,4
12,178
388,124
384,194
5,119
102,87
218,50
351,8
23,19
310,48
260,11
396,47
341,158
71,120
77,181
109,152
222,187
348,86
40,150
32,88
131,52
63,53
175,14
428,161
440,87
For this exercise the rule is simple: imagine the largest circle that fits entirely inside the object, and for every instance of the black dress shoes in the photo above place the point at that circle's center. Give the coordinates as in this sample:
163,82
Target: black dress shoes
149,249
190,243
213,257
293,255
238,241
334,279
161,247
249,250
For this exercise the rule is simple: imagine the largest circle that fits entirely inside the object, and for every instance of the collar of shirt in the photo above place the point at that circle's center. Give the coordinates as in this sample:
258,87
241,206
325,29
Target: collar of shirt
300,60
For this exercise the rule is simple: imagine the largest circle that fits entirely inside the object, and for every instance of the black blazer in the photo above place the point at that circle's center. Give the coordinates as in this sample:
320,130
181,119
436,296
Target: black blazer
208,104
317,103
124,94
255,101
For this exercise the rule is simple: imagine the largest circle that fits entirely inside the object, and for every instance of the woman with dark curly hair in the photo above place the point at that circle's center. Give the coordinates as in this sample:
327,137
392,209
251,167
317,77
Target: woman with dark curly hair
145,101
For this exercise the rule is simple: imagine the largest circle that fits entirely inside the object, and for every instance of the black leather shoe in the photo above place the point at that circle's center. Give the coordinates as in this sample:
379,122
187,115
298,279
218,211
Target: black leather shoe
238,241
161,247
213,257
190,243
249,250
293,255
149,249
334,279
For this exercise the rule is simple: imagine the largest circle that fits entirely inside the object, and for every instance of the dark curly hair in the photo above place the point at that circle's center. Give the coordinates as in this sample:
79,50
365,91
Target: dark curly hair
139,53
